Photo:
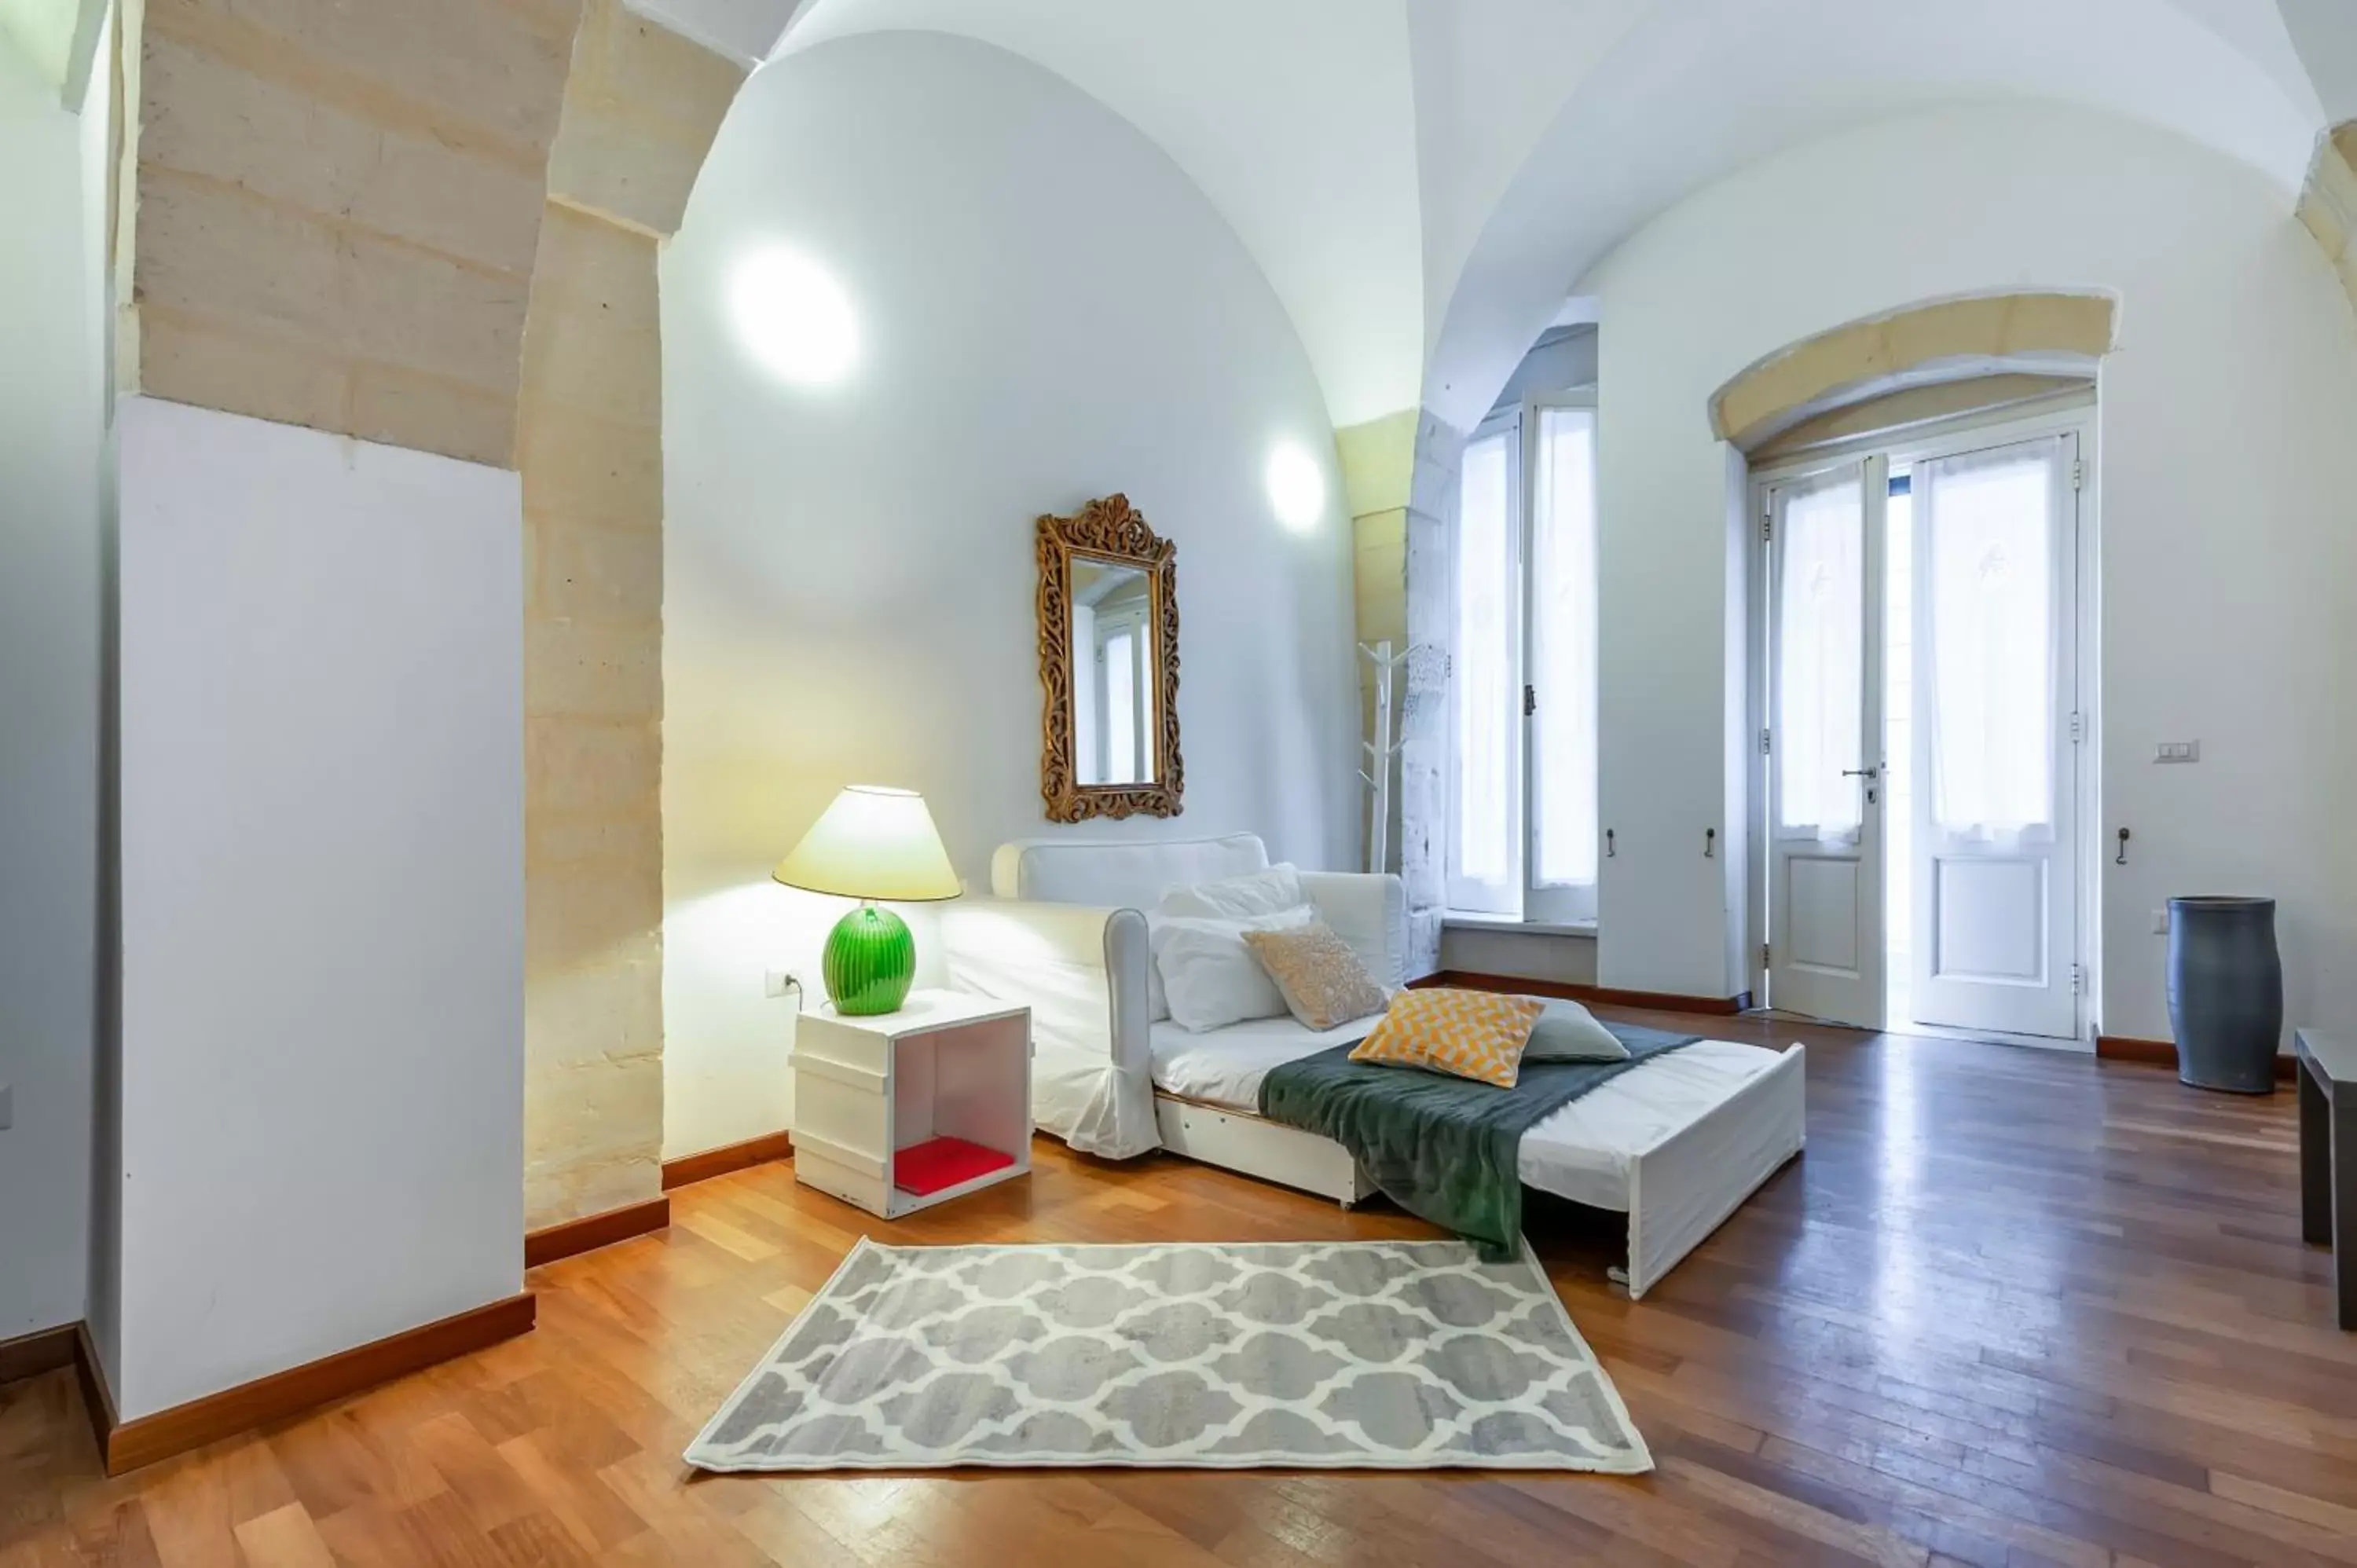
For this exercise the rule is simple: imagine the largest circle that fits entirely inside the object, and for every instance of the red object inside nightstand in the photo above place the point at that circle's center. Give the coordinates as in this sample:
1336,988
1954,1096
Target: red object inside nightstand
940,1163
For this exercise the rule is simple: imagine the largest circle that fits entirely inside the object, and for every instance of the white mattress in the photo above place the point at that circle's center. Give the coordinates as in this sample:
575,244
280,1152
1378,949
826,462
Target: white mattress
1583,1152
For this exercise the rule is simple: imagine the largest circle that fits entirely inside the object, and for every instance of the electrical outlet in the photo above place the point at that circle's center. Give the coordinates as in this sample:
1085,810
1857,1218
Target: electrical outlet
777,982
2160,920
7,1106
2177,751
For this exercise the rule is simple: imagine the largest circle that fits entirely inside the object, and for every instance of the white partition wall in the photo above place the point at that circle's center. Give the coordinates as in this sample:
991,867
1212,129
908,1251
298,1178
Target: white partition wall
322,897
52,423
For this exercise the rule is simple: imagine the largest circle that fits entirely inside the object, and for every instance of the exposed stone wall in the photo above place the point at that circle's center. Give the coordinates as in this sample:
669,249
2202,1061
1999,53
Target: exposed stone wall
639,111
1399,477
338,208
434,224
1424,719
2328,204
1376,458
1820,371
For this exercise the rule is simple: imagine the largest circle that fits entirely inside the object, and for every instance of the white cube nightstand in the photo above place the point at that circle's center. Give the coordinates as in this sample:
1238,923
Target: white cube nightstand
901,1111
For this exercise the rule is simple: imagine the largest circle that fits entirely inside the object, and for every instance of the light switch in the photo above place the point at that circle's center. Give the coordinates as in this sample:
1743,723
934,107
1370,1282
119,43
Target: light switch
2160,920
2177,751
7,1106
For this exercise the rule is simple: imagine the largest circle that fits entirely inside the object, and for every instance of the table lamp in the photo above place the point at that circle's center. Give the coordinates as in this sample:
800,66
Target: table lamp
872,843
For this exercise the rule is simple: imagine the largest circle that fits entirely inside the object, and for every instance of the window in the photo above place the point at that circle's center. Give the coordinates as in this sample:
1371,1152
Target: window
1484,869
1523,817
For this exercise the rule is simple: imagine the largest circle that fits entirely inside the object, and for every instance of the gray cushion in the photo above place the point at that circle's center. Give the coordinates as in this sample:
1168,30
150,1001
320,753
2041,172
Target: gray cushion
1568,1032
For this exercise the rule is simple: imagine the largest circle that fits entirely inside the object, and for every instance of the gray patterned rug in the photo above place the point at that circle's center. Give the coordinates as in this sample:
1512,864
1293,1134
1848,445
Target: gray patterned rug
1389,1354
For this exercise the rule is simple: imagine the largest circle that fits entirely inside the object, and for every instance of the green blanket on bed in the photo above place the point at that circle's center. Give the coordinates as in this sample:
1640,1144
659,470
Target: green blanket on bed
1441,1147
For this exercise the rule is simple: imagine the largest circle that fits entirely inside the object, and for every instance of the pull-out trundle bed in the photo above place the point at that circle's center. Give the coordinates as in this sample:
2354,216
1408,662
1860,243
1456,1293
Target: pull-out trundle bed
1676,1142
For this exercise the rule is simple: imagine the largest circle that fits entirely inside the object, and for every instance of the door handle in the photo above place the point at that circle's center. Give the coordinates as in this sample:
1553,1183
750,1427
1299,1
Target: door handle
1861,772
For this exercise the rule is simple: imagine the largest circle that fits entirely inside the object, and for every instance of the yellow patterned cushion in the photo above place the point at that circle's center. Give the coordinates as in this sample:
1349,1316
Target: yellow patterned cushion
1478,1034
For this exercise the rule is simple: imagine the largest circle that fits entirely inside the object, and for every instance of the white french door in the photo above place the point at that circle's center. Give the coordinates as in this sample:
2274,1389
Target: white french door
1824,758
1994,804
1968,722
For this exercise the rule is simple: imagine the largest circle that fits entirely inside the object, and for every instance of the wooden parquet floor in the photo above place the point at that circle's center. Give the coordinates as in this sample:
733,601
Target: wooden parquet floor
2009,1308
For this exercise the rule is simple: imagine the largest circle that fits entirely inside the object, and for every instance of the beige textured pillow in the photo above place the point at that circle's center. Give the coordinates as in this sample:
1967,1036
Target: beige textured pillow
1322,981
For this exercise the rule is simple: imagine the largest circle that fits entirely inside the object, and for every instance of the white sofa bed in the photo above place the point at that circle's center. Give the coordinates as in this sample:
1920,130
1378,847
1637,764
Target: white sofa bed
1677,1144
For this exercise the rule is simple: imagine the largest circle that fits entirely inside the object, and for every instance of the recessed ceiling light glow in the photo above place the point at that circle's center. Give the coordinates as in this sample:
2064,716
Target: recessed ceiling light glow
1296,489
795,317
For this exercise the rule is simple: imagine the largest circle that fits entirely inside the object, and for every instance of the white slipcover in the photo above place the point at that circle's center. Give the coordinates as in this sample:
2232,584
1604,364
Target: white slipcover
1067,937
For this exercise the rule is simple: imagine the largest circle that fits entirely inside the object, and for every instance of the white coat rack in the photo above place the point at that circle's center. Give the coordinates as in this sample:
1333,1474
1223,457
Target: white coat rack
1379,751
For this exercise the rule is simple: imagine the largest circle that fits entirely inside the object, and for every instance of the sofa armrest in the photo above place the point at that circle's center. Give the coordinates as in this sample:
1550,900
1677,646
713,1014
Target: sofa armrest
1081,972
1073,965
1369,911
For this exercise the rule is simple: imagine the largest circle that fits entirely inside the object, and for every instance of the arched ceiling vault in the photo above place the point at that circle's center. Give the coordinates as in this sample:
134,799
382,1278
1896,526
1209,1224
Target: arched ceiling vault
1293,118
1423,181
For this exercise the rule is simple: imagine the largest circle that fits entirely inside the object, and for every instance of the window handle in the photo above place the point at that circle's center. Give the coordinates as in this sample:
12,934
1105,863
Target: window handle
1710,844
1609,852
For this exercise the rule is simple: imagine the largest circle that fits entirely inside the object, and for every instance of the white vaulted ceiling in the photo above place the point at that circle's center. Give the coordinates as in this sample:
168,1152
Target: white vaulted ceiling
1423,181
1294,117
744,30
1696,90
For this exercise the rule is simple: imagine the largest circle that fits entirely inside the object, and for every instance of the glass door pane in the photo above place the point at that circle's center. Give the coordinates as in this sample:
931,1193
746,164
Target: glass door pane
1821,674
1563,654
1485,831
1989,549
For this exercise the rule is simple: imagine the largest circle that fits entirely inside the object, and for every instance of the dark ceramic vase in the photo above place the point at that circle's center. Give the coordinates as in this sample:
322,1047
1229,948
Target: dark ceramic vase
2225,993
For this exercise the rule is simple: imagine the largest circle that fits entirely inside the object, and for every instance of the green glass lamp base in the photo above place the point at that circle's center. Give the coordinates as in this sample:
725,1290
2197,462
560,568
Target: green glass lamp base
869,961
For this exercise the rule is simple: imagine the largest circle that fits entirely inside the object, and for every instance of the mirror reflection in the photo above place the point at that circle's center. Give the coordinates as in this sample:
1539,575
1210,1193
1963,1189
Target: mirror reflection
1113,669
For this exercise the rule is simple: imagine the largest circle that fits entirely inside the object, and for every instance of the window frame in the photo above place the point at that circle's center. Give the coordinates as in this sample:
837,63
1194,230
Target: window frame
1468,895
1517,899
1570,903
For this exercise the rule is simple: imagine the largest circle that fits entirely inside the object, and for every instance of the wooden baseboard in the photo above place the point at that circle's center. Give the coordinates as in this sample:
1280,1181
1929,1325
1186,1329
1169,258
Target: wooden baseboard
97,1401
128,1444
576,1236
44,1350
2163,1053
1660,1001
727,1158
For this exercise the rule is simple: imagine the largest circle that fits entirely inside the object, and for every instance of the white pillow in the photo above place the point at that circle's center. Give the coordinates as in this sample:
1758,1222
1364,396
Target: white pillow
1209,978
1266,892
1568,1032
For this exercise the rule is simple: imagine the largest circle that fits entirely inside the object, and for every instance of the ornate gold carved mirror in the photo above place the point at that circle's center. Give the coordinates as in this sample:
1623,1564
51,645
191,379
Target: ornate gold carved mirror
1109,662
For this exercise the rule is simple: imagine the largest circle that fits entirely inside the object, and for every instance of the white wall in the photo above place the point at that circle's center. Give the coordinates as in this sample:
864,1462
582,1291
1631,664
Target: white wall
1559,361
1297,120
52,358
322,863
1693,92
1048,312
2229,585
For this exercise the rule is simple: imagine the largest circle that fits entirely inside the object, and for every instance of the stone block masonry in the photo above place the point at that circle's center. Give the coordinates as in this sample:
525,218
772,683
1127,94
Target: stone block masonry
640,108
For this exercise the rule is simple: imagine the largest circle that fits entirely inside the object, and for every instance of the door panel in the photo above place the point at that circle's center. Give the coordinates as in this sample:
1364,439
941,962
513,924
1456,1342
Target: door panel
1996,809
1989,921
1823,907
1825,856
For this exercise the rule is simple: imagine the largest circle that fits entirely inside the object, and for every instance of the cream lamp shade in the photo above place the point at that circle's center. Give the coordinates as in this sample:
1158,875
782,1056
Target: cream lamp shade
872,843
